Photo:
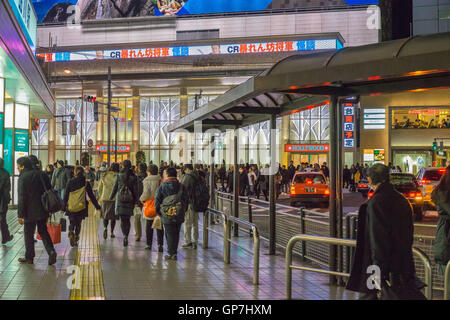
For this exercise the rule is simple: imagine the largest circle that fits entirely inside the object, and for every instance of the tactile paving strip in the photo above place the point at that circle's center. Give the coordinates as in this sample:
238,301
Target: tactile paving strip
88,263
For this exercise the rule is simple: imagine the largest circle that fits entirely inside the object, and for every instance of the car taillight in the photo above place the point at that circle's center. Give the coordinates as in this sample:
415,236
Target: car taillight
292,190
411,195
362,186
425,181
441,170
418,196
327,191
370,194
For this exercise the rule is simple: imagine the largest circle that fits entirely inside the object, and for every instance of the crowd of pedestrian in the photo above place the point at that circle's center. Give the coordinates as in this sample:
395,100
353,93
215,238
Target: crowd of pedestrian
165,198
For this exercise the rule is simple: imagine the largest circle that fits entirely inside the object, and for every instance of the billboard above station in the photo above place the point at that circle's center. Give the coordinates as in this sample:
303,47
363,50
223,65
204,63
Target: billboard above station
74,11
208,50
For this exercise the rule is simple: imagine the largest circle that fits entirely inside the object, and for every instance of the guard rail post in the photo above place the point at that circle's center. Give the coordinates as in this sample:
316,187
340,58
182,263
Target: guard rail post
446,282
226,240
428,272
256,247
303,231
353,221
205,229
250,213
347,249
289,248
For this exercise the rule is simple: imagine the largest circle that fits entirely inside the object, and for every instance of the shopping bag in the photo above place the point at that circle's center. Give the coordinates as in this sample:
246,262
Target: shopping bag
54,231
149,209
157,223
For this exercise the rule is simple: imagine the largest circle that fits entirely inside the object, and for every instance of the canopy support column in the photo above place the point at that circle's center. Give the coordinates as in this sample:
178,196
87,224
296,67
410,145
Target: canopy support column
335,175
271,176
235,181
212,188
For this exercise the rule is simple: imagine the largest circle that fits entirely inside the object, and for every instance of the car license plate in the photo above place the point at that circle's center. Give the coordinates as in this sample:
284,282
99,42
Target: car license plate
310,189
429,189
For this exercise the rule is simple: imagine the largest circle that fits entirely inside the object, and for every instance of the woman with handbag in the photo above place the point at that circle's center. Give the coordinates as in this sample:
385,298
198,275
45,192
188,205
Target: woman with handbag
150,185
126,190
105,187
76,204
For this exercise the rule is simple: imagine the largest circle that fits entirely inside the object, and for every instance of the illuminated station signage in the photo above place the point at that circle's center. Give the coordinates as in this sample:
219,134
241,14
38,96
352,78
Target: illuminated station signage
307,147
185,51
120,148
349,125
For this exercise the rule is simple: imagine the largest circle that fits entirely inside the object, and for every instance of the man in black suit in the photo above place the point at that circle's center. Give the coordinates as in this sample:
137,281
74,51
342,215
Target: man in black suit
31,212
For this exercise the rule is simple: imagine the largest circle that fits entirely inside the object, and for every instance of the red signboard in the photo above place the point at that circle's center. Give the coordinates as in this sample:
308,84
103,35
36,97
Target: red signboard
120,148
306,147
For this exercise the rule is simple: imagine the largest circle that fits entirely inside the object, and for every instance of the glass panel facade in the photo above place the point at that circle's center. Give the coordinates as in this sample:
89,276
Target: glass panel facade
156,113
310,126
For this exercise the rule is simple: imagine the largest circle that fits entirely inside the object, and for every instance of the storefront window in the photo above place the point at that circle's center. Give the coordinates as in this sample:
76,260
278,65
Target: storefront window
421,118
412,161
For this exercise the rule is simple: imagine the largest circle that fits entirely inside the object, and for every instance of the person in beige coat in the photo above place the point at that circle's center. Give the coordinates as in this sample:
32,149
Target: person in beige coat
150,185
105,187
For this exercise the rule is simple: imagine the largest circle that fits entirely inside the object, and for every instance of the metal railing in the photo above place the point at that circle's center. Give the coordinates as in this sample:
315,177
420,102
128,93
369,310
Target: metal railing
228,221
347,243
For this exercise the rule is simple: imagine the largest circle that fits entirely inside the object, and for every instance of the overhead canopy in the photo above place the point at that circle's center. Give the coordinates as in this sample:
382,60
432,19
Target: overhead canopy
303,81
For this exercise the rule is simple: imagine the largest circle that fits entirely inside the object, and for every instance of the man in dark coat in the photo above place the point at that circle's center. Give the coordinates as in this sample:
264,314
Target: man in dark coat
346,176
126,179
230,177
190,179
243,181
31,212
5,197
291,171
384,239
169,187
222,174
60,178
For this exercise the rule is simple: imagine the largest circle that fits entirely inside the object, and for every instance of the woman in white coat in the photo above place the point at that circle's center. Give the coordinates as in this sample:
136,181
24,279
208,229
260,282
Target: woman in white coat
150,185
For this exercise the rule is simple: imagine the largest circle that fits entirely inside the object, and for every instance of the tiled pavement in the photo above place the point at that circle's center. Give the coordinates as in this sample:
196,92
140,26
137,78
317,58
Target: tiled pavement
135,273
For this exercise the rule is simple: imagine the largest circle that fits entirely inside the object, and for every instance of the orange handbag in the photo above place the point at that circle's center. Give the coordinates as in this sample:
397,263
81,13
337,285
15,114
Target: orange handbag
149,209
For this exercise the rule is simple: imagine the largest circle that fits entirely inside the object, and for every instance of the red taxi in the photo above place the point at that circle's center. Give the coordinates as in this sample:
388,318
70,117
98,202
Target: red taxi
309,188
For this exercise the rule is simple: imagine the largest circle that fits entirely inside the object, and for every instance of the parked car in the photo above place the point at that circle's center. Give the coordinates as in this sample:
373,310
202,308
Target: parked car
406,184
363,187
428,179
309,188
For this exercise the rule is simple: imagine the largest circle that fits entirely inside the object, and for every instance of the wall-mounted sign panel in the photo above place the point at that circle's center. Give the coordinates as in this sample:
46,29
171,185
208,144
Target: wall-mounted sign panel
374,118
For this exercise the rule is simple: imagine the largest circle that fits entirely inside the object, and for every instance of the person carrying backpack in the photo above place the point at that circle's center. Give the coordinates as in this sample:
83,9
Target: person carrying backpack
198,195
171,203
76,204
126,190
